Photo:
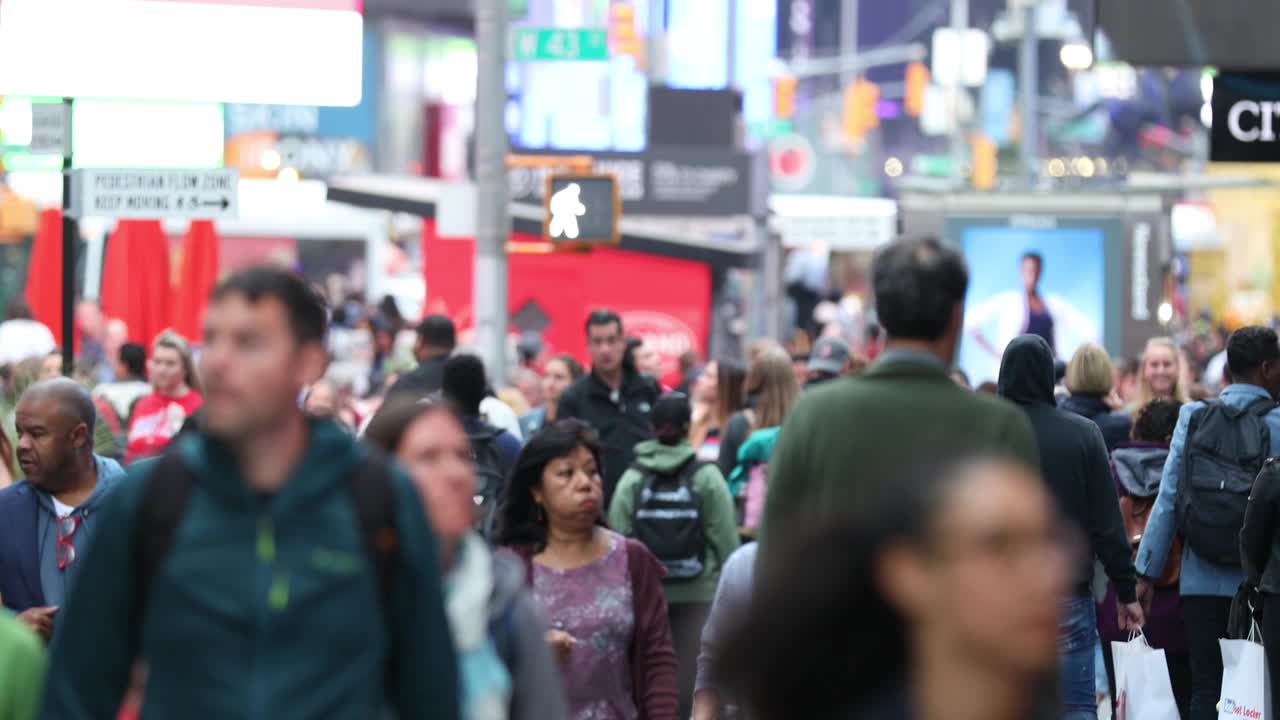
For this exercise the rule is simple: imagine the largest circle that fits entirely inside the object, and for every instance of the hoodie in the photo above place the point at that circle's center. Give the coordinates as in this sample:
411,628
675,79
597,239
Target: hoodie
264,606
717,512
1073,462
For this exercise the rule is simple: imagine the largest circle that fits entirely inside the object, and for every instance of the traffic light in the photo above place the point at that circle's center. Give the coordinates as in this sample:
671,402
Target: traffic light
784,97
623,39
985,164
914,86
860,116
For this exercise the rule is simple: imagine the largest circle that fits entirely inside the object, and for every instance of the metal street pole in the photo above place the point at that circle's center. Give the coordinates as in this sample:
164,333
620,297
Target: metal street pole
493,220
959,23
68,255
848,37
1029,69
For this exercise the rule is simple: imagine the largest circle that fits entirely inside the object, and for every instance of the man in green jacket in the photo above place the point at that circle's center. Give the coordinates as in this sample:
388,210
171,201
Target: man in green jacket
21,669
240,569
676,505
852,433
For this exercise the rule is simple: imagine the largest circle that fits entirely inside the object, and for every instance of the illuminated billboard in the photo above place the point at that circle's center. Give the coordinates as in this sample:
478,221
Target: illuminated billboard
291,52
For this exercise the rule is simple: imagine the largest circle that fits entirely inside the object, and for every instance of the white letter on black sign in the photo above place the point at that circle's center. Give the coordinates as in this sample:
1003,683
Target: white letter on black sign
1233,121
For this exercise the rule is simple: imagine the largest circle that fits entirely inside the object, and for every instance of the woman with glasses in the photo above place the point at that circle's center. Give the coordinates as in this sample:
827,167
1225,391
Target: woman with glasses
936,601
506,668
601,591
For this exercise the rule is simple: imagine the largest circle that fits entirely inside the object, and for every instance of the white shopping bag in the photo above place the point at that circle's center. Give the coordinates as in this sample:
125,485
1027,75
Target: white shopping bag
1246,688
1143,690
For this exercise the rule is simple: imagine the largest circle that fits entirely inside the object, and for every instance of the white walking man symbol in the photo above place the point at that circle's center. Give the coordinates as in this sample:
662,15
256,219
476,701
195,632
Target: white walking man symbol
566,208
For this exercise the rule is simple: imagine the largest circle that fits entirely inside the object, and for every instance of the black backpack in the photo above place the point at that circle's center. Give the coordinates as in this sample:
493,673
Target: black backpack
668,520
164,501
1224,452
491,476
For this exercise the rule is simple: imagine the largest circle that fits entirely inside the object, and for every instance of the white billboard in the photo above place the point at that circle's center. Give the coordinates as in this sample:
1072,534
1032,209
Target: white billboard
286,52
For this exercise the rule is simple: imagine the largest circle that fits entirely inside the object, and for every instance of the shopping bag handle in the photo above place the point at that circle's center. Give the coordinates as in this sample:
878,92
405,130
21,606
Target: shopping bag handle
1137,634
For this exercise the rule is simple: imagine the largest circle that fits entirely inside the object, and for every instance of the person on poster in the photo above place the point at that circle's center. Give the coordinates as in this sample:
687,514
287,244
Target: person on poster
1029,312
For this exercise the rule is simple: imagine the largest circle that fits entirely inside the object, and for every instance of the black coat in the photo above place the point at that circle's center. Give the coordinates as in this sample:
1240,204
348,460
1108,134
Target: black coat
1073,460
621,424
422,381
1115,426
1260,536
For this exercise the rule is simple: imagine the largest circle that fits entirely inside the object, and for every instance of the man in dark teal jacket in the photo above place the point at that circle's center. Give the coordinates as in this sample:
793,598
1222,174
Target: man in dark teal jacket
265,603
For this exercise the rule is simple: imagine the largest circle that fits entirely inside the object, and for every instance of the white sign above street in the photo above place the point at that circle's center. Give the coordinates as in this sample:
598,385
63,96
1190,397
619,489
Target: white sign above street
157,194
50,129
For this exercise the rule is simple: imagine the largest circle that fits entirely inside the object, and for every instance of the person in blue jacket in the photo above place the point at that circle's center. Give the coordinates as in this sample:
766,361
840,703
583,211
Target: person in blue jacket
46,520
1206,585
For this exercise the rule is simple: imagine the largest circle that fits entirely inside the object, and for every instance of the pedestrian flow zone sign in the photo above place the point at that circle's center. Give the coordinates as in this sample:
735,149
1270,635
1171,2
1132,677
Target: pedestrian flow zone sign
582,208
157,194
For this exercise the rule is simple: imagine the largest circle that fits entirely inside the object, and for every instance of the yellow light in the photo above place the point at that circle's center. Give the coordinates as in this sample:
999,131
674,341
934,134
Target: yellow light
1057,168
1164,313
893,167
1084,167
288,175
1102,166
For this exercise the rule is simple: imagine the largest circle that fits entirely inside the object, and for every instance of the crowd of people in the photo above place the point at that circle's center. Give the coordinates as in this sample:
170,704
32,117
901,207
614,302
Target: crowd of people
252,530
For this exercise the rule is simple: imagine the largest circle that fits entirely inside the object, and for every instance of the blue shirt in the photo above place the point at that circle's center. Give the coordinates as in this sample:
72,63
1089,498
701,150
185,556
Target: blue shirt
1199,576
56,583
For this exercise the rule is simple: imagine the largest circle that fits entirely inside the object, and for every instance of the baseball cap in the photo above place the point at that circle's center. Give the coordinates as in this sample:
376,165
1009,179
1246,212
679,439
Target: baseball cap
671,412
829,355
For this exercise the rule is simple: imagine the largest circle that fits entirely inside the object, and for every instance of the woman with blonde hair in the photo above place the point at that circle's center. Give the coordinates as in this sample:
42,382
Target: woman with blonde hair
157,417
1162,374
1091,380
771,390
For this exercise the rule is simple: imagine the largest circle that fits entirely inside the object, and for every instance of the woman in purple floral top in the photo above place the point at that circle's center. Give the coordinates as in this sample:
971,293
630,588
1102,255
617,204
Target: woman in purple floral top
601,592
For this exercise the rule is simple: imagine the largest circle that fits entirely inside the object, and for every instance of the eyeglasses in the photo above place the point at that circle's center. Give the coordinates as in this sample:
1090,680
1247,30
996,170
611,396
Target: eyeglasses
67,527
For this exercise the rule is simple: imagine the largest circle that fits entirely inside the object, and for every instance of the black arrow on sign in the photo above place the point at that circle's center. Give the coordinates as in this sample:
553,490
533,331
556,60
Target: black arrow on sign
224,203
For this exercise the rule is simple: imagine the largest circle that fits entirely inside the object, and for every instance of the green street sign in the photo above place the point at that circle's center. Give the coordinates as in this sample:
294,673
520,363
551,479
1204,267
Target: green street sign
534,44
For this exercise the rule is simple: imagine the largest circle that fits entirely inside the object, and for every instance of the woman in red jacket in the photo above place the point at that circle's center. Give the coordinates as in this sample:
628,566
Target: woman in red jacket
157,417
601,592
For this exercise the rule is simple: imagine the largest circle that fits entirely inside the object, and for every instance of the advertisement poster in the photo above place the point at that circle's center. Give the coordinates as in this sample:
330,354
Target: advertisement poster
1044,281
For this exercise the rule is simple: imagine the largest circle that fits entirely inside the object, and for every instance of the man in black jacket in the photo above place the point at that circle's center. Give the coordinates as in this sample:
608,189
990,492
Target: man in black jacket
436,340
1073,459
612,398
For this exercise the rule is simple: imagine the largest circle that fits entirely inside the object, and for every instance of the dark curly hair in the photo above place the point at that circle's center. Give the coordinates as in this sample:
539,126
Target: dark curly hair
517,522
1156,421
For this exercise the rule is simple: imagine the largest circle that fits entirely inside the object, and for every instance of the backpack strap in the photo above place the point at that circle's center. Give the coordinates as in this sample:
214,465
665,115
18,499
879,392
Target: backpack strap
374,502
1262,406
165,495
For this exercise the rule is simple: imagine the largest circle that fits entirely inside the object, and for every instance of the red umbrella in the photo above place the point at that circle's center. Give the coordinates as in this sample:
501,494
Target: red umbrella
44,273
135,279
199,275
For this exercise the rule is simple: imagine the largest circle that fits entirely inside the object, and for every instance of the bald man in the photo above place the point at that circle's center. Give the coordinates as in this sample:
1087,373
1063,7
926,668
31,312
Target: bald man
46,520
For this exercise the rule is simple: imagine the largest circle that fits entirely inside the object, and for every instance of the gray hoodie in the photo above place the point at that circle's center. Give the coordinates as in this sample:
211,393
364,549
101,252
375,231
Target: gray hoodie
54,582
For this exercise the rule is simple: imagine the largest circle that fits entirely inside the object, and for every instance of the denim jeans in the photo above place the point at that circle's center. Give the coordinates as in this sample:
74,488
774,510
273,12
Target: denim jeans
1077,643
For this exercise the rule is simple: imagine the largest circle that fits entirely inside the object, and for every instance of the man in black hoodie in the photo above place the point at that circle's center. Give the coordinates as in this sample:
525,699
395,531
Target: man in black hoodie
1073,459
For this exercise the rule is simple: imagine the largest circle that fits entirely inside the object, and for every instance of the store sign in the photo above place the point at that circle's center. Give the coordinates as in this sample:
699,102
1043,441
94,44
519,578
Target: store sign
660,181
1246,117
156,194
667,334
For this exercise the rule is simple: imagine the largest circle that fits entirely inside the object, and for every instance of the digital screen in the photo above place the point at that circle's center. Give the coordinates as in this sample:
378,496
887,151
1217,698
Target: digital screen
1044,281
